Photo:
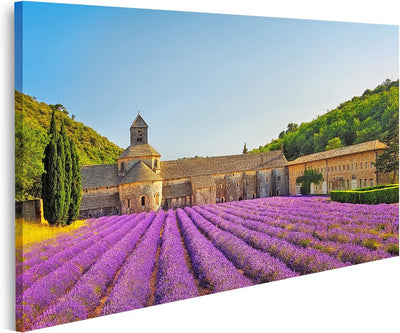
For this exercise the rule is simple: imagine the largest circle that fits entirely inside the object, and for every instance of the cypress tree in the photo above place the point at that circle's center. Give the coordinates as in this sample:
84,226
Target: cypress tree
76,187
59,200
49,179
68,174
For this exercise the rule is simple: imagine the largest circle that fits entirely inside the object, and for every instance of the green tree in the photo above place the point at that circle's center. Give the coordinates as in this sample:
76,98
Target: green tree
388,161
49,176
334,143
245,150
76,187
310,176
29,147
67,173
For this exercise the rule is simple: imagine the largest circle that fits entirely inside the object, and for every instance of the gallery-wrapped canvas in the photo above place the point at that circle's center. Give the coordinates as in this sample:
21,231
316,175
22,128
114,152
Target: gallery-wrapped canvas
162,155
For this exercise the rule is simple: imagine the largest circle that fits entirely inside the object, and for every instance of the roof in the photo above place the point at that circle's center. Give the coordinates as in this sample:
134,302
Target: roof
192,167
177,190
358,148
202,182
142,150
106,175
139,122
99,201
140,172
103,175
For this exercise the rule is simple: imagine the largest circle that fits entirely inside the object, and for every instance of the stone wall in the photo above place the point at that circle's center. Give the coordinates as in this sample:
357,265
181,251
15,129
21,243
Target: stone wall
30,210
339,172
131,196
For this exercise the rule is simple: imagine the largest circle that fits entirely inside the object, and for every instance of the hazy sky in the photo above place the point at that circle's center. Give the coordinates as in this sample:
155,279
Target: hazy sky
204,83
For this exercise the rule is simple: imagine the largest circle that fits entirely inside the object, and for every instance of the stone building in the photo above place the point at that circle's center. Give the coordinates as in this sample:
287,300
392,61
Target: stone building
342,168
140,181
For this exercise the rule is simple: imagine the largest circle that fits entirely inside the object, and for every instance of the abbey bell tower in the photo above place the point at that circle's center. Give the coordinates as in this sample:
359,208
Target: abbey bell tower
138,130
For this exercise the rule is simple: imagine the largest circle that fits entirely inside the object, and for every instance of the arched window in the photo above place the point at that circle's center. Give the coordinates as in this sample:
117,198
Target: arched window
143,200
222,200
139,136
157,197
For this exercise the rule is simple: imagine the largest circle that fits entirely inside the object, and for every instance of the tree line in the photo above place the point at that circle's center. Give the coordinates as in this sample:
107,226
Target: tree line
61,179
368,117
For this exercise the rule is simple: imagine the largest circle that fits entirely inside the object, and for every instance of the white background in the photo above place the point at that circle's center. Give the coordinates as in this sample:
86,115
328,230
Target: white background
362,298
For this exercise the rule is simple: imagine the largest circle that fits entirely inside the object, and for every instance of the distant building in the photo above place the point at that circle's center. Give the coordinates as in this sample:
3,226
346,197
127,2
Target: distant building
342,168
140,181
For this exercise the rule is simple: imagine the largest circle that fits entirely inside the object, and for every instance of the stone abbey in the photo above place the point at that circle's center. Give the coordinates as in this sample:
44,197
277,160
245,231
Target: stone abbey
140,181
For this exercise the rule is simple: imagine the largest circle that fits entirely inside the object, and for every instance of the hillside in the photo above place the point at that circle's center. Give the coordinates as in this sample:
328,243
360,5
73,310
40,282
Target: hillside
32,120
359,120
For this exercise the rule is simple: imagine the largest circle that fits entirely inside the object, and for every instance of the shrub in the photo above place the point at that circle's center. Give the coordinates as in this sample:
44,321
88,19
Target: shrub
368,195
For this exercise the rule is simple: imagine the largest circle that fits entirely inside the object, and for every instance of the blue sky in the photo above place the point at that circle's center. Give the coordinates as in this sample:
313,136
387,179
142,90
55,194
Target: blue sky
205,83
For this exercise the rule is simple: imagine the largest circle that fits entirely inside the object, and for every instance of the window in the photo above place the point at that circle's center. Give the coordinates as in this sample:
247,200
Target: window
267,178
352,167
371,182
254,195
278,192
344,167
372,165
356,166
366,165
247,182
220,185
155,163
279,178
139,136
348,184
365,183
237,184
128,203
335,168
122,166
361,166
222,200
143,200
230,198
157,197
340,167
348,167
360,182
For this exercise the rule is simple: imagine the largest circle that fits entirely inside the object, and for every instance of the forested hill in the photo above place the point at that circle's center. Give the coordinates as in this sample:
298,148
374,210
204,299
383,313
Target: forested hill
359,120
32,119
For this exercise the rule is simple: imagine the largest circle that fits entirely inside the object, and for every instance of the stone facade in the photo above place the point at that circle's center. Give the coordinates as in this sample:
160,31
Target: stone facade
140,181
343,168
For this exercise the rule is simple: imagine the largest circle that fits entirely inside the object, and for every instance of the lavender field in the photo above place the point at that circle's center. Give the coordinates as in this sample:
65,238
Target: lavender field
120,263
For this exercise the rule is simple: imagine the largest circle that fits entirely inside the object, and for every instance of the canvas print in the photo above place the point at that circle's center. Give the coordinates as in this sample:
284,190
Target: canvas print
164,155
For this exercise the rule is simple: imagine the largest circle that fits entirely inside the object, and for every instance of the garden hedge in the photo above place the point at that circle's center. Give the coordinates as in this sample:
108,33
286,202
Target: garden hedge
368,195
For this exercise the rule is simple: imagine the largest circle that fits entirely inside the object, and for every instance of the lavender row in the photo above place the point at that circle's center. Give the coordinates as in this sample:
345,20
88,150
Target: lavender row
30,276
299,259
132,288
344,252
256,264
86,295
174,280
371,241
48,289
39,254
210,265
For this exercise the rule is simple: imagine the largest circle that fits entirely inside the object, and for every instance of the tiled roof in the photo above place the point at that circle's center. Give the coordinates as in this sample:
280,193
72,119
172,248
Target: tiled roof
139,122
142,150
191,167
202,182
358,148
176,190
103,175
99,201
106,175
140,172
